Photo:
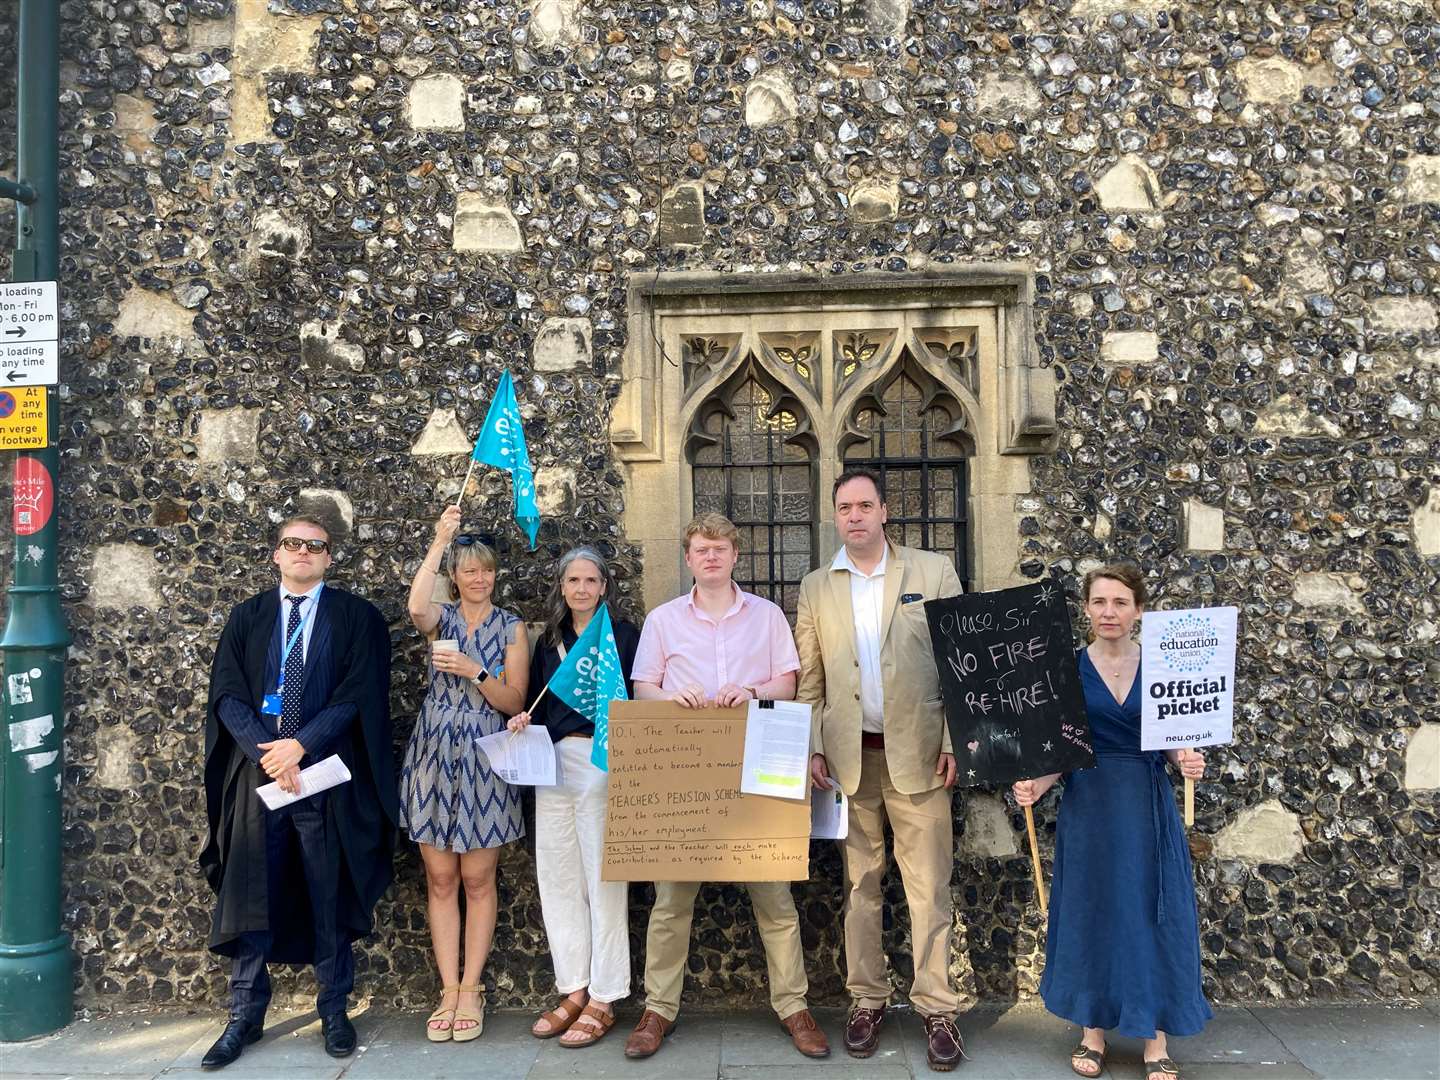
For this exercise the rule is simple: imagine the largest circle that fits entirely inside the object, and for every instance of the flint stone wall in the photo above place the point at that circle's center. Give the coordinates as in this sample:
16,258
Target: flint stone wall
1251,188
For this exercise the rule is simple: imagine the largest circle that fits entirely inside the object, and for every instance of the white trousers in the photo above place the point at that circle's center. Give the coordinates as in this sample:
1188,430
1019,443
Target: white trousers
585,918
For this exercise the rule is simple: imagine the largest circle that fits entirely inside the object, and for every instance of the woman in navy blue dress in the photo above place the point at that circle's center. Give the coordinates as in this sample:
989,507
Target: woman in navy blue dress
1123,948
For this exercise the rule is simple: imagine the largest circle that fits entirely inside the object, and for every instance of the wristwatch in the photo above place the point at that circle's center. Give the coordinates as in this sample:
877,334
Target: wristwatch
481,677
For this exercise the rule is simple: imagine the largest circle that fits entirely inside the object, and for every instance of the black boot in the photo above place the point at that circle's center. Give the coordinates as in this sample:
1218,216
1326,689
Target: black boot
238,1034
339,1035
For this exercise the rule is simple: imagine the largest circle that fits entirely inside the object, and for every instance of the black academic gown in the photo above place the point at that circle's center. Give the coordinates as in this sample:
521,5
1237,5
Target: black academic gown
348,660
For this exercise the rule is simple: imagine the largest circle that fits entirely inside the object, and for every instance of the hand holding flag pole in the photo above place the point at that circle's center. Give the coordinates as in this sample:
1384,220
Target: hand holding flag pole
589,679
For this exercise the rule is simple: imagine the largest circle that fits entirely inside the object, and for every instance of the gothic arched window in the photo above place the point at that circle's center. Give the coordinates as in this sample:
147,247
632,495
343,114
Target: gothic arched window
752,460
912,431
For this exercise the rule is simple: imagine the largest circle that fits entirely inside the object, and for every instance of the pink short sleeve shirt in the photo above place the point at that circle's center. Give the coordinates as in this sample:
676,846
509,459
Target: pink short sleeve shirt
681,645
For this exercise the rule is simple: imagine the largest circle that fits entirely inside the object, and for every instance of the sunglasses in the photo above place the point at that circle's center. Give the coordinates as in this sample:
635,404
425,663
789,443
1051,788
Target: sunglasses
491,541
314,547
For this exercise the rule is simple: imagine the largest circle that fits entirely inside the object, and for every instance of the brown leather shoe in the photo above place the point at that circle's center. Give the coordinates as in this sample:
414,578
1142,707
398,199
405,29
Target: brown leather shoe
943,1045
862,1031
806,1034
648,1034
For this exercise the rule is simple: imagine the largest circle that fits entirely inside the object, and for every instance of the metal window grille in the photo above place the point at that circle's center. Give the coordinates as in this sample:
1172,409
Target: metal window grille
766,486
925,486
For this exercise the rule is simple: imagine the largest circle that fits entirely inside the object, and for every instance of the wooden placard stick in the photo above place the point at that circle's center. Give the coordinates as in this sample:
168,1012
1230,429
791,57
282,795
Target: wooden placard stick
1189,802
1035,858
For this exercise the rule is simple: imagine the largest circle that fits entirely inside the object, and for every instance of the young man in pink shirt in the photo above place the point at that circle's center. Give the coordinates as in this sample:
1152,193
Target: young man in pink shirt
718,645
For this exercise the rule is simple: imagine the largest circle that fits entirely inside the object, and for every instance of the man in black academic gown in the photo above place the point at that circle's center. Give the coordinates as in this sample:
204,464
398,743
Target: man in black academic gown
301,673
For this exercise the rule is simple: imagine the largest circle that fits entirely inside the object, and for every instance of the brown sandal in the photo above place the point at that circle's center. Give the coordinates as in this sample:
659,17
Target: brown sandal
560,1018
1164,1066
591,1032
1085,1053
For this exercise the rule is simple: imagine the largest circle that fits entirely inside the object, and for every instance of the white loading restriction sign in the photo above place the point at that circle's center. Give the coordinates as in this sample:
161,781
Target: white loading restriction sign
29,334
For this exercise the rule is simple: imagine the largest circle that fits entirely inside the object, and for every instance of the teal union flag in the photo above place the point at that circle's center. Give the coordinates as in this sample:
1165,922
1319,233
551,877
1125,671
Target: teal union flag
502,444
590,678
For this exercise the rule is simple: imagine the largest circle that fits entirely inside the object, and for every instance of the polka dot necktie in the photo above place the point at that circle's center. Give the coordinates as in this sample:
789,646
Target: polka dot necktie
294,668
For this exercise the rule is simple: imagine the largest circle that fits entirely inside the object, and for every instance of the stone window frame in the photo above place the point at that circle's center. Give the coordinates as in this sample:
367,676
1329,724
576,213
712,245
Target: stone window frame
1007,396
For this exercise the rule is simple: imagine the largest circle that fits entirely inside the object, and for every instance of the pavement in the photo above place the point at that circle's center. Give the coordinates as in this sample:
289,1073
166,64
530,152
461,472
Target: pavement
1339,1042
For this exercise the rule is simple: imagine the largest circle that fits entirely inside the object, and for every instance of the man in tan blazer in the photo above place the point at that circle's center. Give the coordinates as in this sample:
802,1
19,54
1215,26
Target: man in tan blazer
878,727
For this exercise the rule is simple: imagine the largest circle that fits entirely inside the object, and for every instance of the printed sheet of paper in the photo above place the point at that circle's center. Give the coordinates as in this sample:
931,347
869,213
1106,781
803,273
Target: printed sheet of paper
524,757
777,750
1187,664
675,810
321,776
829,813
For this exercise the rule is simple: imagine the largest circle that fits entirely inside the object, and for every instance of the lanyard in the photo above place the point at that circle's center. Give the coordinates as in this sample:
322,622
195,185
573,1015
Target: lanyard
296,636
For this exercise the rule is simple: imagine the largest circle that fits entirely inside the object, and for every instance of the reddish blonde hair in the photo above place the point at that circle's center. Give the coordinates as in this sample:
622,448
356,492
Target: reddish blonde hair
712,526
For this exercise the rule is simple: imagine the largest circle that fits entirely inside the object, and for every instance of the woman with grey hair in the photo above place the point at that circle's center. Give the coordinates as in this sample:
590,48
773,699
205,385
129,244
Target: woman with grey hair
586,919
451,803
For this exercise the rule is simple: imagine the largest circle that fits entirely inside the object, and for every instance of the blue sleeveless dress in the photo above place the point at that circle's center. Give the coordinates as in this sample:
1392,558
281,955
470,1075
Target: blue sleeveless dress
449,798
1122,950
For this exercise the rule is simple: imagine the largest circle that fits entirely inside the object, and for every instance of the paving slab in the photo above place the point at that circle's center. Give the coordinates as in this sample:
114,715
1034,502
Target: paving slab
1359,1041
1289,1070
399,1048
754,1044
291,1042
1234,1037
1018,1041
691,1052
118,1045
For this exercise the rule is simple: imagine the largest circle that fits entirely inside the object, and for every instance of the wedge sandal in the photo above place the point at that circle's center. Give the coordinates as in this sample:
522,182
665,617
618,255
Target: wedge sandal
475,1016
443,1034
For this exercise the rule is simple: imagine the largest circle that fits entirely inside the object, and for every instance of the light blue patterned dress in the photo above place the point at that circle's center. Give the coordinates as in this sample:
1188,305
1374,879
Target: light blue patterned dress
449,798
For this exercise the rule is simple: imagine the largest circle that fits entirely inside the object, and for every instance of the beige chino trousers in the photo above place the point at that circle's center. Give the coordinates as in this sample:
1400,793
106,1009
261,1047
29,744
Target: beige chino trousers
924,851
667,945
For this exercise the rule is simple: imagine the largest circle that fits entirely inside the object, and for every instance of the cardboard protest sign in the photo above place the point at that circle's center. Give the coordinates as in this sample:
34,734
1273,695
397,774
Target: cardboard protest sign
675,811
1187,664
1010,685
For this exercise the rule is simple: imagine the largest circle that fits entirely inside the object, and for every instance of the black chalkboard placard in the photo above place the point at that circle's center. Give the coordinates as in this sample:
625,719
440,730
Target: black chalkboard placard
1010,684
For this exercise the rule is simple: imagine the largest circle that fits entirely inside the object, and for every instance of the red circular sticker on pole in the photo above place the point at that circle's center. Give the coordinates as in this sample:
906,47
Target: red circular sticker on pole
34,495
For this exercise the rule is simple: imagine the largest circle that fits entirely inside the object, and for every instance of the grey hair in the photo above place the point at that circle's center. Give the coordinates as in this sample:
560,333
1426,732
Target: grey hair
556,610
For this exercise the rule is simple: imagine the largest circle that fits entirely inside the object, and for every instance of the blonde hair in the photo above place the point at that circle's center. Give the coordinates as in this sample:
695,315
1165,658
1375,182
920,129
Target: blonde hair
712,526
464,553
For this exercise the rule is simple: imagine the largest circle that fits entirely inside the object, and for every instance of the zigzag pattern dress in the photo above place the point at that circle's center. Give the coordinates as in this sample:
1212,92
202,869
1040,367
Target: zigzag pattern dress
449,798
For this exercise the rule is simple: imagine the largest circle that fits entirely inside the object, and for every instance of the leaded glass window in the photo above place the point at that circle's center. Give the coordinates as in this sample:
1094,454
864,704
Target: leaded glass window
751,464
911,438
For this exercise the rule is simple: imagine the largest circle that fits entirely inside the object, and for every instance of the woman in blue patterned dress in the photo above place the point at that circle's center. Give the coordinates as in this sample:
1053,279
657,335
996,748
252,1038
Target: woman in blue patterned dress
453,806
1123,946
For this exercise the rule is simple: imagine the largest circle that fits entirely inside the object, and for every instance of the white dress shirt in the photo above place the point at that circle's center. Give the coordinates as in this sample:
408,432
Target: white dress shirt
306,613
867,601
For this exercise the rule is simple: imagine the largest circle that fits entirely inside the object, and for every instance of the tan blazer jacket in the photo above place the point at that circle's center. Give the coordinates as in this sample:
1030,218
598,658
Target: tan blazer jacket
915,731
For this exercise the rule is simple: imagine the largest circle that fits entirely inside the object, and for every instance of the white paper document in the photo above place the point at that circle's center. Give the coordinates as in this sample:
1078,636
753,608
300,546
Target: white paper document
777,750
829,813
321,776
522,757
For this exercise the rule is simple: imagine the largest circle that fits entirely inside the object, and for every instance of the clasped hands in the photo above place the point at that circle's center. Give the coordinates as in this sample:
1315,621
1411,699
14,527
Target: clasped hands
693,696
282,763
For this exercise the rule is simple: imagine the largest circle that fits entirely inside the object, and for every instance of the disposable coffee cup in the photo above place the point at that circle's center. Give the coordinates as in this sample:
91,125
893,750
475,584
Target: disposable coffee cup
445,644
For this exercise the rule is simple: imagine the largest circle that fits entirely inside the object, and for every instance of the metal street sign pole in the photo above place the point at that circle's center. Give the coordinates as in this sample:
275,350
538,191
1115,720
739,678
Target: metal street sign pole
35,962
